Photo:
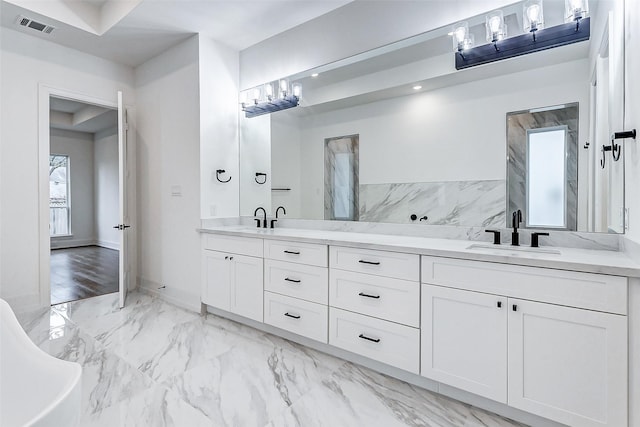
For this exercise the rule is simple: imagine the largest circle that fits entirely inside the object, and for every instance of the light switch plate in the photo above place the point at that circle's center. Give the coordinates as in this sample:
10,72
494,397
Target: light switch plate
176,190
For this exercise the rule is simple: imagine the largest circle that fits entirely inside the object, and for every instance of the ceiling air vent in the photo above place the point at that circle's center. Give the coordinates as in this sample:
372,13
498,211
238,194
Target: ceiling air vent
38,26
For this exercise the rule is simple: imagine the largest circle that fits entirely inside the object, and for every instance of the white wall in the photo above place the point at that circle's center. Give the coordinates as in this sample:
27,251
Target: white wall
26,62
451,134
632,117
79,147
285,163
106,198
168,159
354,28
219,109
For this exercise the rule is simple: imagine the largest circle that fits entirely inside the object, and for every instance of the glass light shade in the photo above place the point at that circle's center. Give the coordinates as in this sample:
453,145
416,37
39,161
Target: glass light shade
243,97
256,95
268,91
284,88
296,88
532,16
576,9
496,28
460,33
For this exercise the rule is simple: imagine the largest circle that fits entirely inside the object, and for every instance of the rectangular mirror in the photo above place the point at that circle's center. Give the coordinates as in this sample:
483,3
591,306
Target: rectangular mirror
432,144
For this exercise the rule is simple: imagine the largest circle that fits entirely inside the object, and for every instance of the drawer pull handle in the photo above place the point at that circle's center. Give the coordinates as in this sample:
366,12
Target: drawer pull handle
292,280
364,337
362,261
362,294
293,316
292,252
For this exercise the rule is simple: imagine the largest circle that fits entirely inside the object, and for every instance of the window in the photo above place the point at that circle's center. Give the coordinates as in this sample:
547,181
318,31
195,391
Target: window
341,178
59,212
546,177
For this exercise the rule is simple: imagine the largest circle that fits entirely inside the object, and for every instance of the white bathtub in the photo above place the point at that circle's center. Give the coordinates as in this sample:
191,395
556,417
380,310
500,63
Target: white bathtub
35,389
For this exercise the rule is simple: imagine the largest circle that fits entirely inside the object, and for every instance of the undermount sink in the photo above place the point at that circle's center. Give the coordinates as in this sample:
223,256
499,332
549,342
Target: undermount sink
513,249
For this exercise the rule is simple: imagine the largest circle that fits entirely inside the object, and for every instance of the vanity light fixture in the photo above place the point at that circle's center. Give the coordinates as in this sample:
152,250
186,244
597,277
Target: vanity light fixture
264,99
500,47
533,17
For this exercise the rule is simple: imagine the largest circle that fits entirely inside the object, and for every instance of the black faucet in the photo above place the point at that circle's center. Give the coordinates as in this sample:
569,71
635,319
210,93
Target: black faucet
534,238
284,212
264,221
516,220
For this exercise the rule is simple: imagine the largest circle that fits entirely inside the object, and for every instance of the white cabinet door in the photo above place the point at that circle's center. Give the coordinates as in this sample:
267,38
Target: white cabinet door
216,280
246,289
567,364
464,340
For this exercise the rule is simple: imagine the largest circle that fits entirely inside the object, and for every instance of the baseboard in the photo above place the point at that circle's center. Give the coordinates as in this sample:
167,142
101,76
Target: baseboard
174,296
108,245
71,243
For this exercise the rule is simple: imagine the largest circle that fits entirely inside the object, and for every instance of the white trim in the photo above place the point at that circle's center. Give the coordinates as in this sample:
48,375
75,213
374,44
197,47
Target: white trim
70,243
177,297
44,94
108,245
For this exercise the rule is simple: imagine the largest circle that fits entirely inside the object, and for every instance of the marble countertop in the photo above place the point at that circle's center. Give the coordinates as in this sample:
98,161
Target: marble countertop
585,260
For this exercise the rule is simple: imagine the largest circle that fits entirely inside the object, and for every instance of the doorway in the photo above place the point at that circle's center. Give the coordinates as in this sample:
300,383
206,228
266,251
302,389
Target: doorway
85,194
83,200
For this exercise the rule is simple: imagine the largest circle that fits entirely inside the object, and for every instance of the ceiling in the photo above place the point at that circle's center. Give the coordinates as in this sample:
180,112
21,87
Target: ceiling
80,117
153,26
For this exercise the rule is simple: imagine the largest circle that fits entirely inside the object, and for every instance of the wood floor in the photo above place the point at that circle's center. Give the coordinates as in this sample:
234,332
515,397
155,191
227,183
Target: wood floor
78,273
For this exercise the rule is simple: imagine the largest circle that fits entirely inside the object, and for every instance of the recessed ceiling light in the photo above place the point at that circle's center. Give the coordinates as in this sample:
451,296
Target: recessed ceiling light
315,75
417,87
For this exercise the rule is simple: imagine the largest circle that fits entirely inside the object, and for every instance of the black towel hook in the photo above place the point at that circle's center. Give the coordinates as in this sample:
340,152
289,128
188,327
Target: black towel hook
261,174
221,171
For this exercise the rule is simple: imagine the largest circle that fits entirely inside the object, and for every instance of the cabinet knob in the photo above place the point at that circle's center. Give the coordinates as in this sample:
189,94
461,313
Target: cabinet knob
515,307
227,257
499,304
230,258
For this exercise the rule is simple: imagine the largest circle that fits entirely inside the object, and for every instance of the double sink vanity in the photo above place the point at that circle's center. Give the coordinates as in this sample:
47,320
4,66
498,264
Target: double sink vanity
542,330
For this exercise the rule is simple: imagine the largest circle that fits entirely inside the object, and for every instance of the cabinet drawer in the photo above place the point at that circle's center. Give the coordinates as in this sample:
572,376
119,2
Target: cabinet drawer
386,342
382,297
381,263
306,282
300,317
570,288
303,253
235,245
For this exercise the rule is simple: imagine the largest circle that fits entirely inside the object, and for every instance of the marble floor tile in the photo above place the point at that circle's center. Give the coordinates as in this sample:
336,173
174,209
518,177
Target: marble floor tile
253,381
155,407
154,364
355,395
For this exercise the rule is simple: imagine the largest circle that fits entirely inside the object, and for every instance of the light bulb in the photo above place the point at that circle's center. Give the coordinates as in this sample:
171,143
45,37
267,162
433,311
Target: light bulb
296,89
268,91
494,24
460,34
533,12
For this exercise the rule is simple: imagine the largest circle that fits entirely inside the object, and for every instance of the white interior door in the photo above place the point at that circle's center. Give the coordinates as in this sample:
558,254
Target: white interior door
123,218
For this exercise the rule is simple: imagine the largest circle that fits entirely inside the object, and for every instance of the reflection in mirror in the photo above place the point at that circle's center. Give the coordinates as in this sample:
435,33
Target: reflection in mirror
542,170
431,140
341,187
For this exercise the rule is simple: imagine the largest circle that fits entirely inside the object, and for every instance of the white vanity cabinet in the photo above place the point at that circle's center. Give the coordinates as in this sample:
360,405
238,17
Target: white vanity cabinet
567,364
374,305
232,281
295,288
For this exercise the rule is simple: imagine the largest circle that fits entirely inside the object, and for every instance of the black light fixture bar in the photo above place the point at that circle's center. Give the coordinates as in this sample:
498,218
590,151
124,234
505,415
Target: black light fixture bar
279,104
547,38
